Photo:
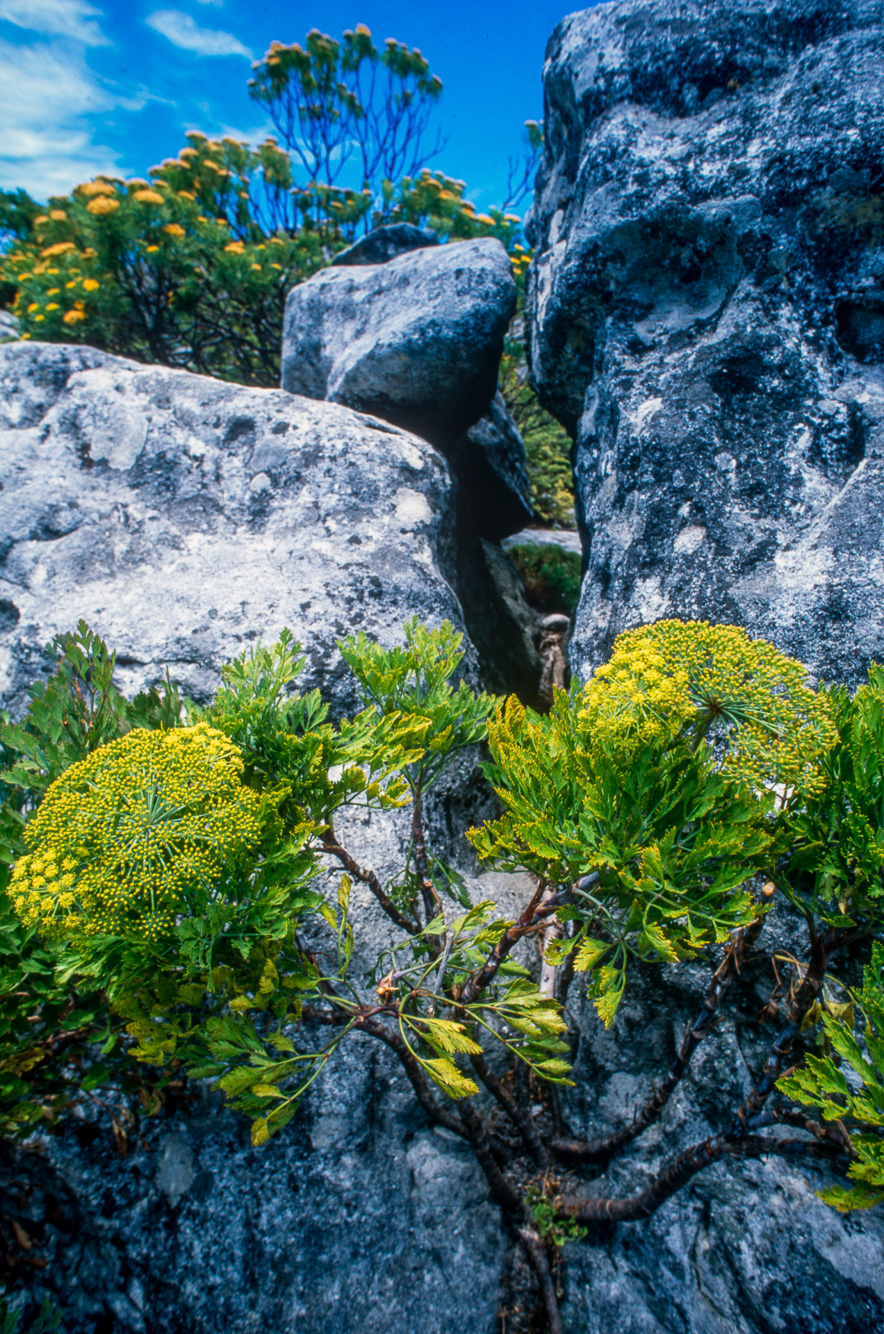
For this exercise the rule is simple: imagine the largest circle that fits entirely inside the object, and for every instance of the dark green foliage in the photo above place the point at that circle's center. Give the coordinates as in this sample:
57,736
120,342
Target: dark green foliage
668,842
551,575
847,1085
49,1020
837,836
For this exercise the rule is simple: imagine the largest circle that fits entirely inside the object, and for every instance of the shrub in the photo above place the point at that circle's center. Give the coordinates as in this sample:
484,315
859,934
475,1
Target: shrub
551,575
190,267
660,810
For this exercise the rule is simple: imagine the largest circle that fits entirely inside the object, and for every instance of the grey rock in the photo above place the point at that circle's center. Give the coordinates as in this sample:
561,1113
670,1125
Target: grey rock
154,504
503,626
175,1174
748,1247
705,316
184,518
359,1219
386,243
417,341
566,538
8,325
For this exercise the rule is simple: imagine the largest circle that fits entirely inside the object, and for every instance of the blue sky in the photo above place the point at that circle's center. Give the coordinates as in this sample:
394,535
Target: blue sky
89,86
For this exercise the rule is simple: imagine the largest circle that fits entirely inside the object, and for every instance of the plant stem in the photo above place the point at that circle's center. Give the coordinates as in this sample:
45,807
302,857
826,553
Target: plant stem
532,917
537,1255
520,1118
588,1209
365,876
605,1146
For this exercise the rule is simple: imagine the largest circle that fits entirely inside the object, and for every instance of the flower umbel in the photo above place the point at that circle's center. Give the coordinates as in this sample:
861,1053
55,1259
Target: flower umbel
136,834
713,683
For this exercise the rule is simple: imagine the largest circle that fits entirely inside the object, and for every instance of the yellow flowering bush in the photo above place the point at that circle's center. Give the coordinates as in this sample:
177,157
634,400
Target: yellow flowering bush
712,682
182,261
135,834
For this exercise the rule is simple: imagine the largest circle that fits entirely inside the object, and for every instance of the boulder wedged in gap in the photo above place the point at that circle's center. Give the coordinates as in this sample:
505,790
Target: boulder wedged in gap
417,340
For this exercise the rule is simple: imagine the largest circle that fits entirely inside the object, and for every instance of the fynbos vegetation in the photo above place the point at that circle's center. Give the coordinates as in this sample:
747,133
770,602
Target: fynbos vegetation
177,900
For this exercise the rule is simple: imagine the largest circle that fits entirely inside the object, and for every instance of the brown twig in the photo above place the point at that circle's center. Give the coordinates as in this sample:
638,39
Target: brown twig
802,1002
429,893
365,876
605,1146
536,1251
632,1208
532,917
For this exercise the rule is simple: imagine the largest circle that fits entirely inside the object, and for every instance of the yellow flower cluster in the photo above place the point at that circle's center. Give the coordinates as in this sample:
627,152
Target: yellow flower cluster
135,835
521,258
101,205
148,196
712,682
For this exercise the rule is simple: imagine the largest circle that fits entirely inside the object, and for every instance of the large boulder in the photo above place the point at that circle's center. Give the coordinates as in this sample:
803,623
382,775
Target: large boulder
705,316
416,339
183,518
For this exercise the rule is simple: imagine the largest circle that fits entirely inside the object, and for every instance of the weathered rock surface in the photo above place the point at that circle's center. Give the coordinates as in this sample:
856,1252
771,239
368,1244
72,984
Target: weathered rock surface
748,1248
360,1218
183,518
385,243
705,315
417,341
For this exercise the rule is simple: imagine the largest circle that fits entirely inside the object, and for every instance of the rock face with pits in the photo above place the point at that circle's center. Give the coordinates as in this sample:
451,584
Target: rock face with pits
706,316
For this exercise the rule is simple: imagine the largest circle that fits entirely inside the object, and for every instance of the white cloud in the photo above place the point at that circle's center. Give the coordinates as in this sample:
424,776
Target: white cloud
184,32
56,18
44,93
